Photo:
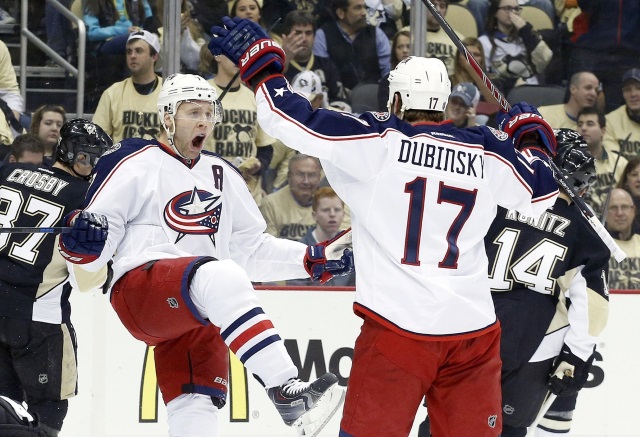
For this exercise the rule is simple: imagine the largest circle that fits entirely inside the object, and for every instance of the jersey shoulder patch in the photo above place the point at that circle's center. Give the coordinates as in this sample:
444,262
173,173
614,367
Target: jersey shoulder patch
500,135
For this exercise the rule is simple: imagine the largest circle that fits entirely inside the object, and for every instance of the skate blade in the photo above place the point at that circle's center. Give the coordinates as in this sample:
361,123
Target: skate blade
312,422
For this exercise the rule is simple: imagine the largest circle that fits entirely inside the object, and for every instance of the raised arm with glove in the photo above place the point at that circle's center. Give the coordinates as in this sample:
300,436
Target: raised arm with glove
330,258
87,238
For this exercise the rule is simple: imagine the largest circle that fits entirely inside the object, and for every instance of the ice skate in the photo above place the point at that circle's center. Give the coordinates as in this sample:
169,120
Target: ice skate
305,406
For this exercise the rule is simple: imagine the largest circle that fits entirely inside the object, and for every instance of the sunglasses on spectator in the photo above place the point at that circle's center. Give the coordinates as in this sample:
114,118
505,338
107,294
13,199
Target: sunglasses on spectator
516,9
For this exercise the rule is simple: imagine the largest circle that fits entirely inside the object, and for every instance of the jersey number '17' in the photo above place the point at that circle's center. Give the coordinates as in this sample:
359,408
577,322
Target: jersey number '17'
416,189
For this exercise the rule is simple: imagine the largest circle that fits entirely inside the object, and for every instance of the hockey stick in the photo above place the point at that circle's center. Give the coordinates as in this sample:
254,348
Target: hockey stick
543,410
586,211
34,230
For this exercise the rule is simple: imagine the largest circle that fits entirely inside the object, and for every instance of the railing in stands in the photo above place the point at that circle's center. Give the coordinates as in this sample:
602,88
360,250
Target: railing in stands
27,35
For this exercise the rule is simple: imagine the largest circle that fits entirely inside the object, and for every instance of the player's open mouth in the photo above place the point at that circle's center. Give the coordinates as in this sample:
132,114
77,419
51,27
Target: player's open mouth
197,141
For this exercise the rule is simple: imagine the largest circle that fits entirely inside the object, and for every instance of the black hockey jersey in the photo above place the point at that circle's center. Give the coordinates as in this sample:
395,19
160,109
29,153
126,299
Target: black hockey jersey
533,265
33,275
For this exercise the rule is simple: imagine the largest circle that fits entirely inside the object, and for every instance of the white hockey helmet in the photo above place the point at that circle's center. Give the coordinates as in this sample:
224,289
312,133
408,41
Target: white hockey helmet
423,84
178,88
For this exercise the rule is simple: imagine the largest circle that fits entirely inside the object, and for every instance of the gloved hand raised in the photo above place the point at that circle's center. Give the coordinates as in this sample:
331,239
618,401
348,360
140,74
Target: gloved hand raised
330,258
569,374
248,46
87,238
523,119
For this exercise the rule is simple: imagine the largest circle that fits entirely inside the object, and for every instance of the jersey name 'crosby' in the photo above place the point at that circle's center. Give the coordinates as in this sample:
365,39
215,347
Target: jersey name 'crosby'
38,180
441,158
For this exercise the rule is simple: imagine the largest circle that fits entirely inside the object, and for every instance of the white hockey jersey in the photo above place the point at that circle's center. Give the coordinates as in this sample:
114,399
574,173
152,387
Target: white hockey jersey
160,205
422,198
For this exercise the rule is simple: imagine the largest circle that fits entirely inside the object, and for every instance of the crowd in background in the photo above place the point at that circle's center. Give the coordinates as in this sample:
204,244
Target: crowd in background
339,54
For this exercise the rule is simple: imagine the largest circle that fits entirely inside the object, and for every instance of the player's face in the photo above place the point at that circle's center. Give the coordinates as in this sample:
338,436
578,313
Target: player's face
49,131
82,164
631,94
305,32
139,59
248,9
403,47
194,122
329,214
585,93
633,182
621,211
304,178
589,128
354,18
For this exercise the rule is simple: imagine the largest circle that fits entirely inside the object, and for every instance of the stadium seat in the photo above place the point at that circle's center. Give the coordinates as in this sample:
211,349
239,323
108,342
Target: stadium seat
536,16
461,20
538,95
364,97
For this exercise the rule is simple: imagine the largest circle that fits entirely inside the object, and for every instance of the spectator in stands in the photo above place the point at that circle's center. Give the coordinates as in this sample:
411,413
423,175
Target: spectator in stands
11,101
128,109
109,23
6,136
583,91
207,13
609,165
620,217
439,45
606,42
461,108
630,181
383,14
191,37
26,148
249,9
6,17
288,210
623,124
400,49
480,10
46,123
60,35
238,137
463,72
362,52
327,210
297,41
515,53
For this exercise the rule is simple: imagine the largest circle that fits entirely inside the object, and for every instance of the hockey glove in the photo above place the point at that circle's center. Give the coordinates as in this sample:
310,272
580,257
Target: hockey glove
87,237
569,374
523,119
330,258
248,46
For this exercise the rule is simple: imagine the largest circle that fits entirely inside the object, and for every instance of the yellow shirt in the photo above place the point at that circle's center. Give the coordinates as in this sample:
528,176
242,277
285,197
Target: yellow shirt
626,275
285,217
557,118
124,113
622,133
605,180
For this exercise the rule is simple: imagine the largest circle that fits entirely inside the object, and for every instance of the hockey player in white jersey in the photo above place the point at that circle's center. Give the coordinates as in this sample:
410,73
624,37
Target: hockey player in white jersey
423,194
186,238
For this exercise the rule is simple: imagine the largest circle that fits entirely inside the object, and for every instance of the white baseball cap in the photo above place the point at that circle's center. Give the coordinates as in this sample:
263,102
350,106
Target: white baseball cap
151,38
307,83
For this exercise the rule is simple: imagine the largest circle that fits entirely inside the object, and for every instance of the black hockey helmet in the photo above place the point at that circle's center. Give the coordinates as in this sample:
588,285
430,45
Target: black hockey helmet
80,138
574,159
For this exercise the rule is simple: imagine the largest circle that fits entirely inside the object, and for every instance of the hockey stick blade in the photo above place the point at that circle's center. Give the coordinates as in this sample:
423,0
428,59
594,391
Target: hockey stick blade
34,230
504,104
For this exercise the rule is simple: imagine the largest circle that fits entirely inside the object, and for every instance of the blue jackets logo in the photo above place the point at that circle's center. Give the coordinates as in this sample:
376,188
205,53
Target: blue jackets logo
195,212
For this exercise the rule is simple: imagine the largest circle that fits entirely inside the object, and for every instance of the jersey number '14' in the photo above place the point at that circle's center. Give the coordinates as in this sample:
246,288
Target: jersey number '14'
416,189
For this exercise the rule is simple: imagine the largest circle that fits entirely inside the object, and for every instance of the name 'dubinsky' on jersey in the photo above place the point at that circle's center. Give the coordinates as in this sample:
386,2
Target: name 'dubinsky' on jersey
442,158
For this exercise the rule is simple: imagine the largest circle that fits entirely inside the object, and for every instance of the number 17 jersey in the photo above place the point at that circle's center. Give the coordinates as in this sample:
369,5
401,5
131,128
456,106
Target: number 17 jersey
422,197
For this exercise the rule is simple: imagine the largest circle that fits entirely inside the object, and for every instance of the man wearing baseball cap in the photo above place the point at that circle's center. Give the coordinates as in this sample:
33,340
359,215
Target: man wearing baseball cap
623,124
461,108
127,109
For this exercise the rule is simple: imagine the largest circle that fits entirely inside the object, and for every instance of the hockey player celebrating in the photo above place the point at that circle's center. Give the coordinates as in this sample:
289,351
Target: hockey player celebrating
423,194
186,238
548,283
36,334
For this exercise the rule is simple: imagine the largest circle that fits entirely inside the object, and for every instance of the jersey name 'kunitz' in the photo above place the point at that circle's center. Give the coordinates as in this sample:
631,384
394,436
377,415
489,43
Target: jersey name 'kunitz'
39,181
546,222
441,158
